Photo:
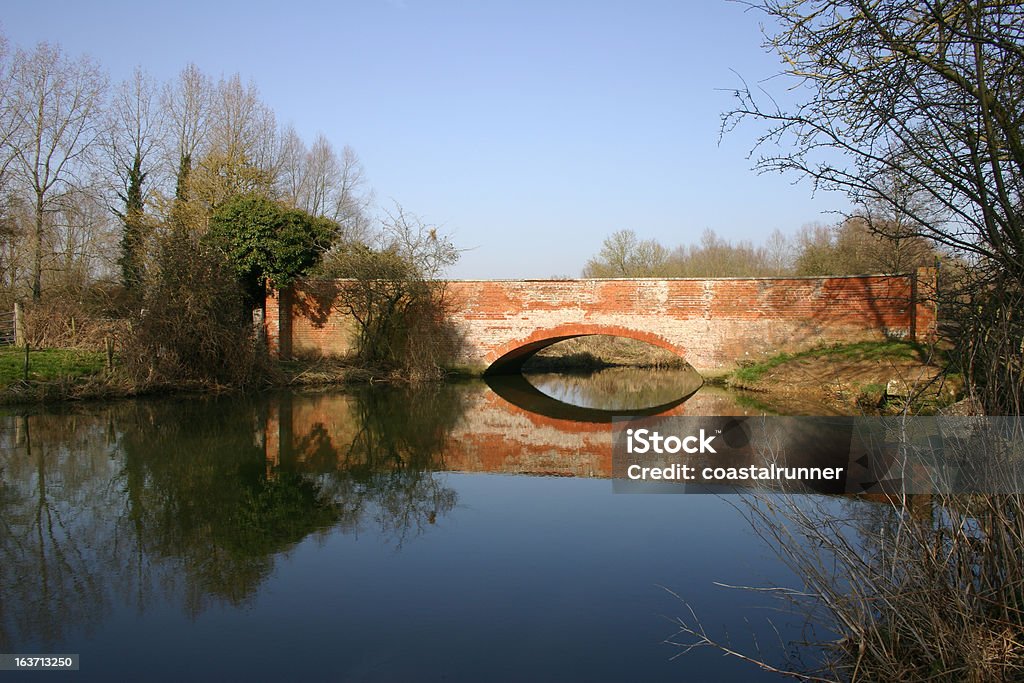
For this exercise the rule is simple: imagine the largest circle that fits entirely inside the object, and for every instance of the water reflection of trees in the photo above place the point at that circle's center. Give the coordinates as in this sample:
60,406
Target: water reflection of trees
386,471
618,388
174,500
198,496
54,480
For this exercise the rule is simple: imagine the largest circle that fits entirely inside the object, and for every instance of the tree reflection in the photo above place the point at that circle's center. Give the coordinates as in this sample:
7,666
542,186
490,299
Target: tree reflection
619,389
199,495
184,500
384,469
54,478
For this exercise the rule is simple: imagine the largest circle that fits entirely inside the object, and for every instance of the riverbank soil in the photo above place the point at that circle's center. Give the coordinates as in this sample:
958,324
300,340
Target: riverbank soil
867,376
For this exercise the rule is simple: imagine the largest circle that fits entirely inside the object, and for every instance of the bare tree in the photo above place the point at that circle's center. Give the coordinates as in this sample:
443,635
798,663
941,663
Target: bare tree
59,123
429,250
927,96
925,93
137,127
855,246
716,256
243,139
778,253
10,120
17,214
318,182
616,256
9,123
350,205
623,254
322,176
899,247
240,155
292,168
135,133
186,103
82,238
394,292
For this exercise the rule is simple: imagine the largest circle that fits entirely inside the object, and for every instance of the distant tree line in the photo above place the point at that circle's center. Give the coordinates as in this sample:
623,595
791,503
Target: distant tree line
853,246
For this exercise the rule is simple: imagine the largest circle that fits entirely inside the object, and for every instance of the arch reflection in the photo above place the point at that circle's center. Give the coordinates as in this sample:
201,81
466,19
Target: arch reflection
519,391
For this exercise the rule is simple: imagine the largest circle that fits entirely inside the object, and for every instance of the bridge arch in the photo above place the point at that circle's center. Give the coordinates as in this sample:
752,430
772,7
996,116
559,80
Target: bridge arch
510,357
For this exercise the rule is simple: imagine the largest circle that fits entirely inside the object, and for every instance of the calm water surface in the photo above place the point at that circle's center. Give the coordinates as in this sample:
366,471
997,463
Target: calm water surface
371,536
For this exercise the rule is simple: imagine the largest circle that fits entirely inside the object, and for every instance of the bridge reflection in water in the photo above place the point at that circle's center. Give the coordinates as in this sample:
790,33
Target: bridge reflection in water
508,426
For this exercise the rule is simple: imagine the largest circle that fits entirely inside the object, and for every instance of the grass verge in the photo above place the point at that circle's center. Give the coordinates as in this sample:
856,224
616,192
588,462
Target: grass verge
856,352
46,365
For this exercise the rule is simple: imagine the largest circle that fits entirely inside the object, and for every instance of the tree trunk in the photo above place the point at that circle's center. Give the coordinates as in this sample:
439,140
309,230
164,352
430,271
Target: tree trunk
37,251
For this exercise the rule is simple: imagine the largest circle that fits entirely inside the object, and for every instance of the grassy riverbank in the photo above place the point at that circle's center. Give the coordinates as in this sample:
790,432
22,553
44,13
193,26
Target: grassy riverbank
52,375
862,376
47,365
55,374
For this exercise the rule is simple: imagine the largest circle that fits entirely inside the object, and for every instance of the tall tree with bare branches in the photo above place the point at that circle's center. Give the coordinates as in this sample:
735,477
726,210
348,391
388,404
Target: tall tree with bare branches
134,135
291,178
926,98
10,120
186,104
60,122
351,202
9,124
918,98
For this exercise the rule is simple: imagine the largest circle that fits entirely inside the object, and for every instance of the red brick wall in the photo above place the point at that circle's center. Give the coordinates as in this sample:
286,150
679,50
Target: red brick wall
711,323
305,320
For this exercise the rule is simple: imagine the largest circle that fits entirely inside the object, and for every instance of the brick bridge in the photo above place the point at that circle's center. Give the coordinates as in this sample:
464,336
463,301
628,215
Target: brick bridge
712,323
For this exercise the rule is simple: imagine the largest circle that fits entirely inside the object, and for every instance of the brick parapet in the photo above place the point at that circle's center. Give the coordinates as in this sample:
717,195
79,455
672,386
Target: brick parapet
712,323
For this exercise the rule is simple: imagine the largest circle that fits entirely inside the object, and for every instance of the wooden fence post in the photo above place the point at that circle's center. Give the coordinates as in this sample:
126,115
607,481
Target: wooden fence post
19,324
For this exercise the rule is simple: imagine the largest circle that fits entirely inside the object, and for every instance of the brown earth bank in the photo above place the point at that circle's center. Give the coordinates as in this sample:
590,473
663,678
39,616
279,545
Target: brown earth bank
886,377
858,384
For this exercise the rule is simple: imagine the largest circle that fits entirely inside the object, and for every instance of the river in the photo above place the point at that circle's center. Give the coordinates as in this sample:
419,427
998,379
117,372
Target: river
460,532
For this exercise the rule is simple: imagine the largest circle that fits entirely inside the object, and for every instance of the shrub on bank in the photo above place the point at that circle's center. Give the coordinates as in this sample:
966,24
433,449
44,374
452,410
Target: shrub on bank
194,326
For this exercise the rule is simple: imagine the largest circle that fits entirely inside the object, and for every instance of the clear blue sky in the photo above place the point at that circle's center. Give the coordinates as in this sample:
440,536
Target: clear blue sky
529,130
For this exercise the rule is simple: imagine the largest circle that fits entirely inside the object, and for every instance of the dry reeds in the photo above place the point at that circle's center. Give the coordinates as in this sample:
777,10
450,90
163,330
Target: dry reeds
917,591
